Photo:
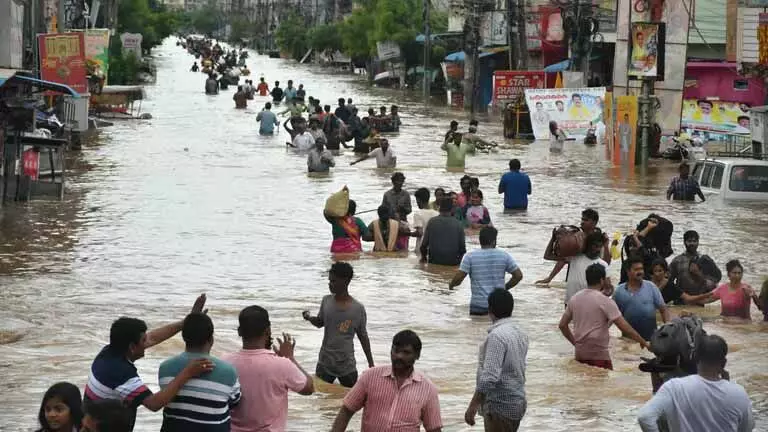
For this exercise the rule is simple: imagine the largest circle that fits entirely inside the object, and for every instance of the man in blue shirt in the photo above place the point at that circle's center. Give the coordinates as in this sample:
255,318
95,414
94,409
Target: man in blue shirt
516,187
268,120
639,299
202,404
486,268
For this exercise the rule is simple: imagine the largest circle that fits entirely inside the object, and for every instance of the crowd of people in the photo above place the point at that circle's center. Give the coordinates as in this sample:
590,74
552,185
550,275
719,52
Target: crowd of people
247,390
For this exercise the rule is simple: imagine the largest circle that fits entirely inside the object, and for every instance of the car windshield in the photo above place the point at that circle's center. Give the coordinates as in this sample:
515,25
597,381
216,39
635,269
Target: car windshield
746,178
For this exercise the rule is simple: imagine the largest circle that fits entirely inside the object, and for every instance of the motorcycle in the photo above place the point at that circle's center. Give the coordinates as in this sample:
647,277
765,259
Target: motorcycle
685,149
591,137
48,120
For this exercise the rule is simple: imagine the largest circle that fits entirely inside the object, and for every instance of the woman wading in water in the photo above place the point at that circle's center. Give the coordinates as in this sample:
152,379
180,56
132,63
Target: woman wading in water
347,231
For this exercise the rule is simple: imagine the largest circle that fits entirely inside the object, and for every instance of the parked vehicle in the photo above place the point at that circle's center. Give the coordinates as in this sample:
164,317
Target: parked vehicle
733,178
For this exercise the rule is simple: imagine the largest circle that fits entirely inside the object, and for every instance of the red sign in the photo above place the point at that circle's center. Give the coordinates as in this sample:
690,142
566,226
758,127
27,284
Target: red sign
508,86
62,59
30,160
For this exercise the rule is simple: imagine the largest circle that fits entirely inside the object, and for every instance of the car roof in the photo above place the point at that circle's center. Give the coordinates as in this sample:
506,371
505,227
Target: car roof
736,161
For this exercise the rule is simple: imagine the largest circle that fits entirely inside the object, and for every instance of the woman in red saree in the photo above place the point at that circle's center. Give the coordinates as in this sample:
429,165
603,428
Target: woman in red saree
347,231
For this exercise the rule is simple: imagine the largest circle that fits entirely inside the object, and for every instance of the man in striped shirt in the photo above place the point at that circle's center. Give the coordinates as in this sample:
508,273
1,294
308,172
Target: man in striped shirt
114,376
500,391
202,404
394,397
486,268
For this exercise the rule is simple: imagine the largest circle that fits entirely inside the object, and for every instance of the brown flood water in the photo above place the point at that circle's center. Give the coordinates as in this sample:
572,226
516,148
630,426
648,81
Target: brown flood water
146,226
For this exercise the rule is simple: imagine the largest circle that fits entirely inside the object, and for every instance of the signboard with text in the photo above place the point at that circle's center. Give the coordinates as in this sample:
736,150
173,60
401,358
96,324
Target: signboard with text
508,86
572,109
62,59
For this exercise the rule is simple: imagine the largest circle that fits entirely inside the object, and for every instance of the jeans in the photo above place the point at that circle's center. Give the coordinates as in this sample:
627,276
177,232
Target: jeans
346,380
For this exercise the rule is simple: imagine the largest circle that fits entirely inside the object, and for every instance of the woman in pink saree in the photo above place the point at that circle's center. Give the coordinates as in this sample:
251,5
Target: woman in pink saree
347,231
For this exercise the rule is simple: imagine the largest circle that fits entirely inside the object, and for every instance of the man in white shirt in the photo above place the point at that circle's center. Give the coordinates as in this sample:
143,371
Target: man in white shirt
422,215
577,266
303,141
702,402
385,157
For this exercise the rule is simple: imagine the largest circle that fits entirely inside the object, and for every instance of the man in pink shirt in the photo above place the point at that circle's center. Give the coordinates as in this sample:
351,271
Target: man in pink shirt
266,376
593,313
394,398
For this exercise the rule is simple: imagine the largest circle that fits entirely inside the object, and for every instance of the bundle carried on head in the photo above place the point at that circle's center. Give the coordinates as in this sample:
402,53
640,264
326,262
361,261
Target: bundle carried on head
337,205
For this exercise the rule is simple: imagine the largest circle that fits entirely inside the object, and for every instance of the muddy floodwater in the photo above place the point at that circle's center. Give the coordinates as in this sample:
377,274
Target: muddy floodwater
195,200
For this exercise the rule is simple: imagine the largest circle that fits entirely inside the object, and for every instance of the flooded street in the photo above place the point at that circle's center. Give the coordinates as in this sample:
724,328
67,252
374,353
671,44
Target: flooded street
195,200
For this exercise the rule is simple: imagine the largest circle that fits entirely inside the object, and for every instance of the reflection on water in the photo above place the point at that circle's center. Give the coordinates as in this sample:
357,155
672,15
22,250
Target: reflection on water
195,200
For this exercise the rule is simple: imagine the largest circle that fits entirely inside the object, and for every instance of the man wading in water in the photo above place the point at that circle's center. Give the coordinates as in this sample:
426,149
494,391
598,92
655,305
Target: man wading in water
343,317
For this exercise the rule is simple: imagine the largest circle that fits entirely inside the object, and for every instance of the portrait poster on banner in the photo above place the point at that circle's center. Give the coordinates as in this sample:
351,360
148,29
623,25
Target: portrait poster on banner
97,51
508,86
625,141
646,51
62,59
716,116
572,109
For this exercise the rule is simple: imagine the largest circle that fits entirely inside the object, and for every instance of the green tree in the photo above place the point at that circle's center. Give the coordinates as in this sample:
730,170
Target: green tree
325,38
205,20
241,29
291,36
356,34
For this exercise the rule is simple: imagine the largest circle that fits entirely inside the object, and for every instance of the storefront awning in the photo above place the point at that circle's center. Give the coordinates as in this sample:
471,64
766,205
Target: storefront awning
558,67
11,76
458,56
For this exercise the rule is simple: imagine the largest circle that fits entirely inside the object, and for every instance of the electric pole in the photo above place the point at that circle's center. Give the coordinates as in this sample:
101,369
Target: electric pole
471,48
512,35
427,50
522,32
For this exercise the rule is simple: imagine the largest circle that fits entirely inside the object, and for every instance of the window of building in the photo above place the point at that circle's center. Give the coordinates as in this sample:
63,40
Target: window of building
740,84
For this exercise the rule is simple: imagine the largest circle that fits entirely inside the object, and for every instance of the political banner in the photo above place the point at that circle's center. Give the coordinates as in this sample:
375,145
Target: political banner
625,142
97,51
62,59
716,116
646,51
508,86
572,109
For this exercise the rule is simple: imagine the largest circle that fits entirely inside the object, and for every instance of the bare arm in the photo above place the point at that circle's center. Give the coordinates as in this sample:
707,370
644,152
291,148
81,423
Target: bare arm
365,342
309,387
665,317
558,267
162,334
630,332
360,159
458,278
342,420
158,400
517,276
565,320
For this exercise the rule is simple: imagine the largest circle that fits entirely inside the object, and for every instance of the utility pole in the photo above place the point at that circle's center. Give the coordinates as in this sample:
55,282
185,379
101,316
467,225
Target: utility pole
522,32
514,58
645,117
61,20
427,50
471,59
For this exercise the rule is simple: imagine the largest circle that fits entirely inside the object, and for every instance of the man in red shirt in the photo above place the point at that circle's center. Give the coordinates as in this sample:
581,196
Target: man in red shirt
394,397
